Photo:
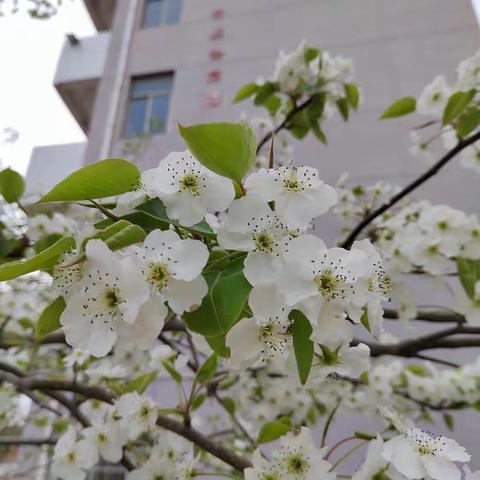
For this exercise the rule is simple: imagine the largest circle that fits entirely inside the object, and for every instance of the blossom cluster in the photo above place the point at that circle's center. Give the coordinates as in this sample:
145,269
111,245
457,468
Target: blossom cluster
116,426
432,102
296,72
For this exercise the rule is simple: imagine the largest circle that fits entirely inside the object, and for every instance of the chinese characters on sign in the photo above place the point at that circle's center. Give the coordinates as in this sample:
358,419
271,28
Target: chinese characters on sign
213,98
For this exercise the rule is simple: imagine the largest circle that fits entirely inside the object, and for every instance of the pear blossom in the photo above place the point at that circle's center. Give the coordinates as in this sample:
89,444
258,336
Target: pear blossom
470,307
348,362
434,97
377,286
374,462
470,158
417,454
265,336
188,189
319,275
296,459
113,292
468,73
291,69
103,442
172,268
146,329
253,227
71,457
420,147
298,193
138,413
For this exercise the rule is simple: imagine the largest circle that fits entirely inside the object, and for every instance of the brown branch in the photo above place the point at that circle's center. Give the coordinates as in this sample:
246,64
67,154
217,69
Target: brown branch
429,316
27,441
347,243
49,386
284,124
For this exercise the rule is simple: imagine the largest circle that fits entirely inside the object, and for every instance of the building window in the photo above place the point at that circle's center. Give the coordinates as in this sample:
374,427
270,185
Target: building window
161,12
148,105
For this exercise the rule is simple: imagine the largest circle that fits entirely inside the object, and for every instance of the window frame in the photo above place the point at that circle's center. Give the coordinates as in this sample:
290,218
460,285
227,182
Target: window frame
162,22
149,97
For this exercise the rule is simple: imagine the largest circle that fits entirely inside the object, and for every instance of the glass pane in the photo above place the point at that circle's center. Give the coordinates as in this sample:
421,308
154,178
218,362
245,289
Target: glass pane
156,84
172,14
158,118
153,13
136,117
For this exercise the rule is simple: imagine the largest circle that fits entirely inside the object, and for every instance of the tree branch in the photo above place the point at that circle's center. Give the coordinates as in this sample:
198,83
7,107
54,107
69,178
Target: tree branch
48,385
347,243
429,316
284,124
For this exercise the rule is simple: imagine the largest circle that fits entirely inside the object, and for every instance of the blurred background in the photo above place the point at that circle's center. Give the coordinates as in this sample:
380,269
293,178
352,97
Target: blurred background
103,78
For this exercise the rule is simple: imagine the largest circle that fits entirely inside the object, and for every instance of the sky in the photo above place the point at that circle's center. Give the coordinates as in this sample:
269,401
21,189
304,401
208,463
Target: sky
29,50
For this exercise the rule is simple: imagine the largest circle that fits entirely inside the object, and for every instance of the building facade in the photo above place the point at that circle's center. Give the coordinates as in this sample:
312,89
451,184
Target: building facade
156,63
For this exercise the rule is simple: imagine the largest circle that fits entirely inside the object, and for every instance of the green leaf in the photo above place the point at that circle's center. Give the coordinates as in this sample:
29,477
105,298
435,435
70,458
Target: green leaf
198,401
342,106
229,404
46,241
228,149
364,319
217,344
105,178
352,94
49,320
469,272
449,421
270,431
311,54
141,383
299,132
12,185
400,107
42,261
264,93
468,122
157,209
207,370
456,104
172,371
318,132
221,308
246,91
272,104
302,345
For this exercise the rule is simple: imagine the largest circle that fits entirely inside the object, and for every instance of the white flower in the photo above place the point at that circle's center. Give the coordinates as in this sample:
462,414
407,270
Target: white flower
253,227
376,286
105,442
291,69
146,329
127,202
468,73
113,291
138,413
319,275
265,335
188,189
172,267
416,454
470,158
298,193
434,97
420,147
374,462
71,458
468,306
298,459
347,362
